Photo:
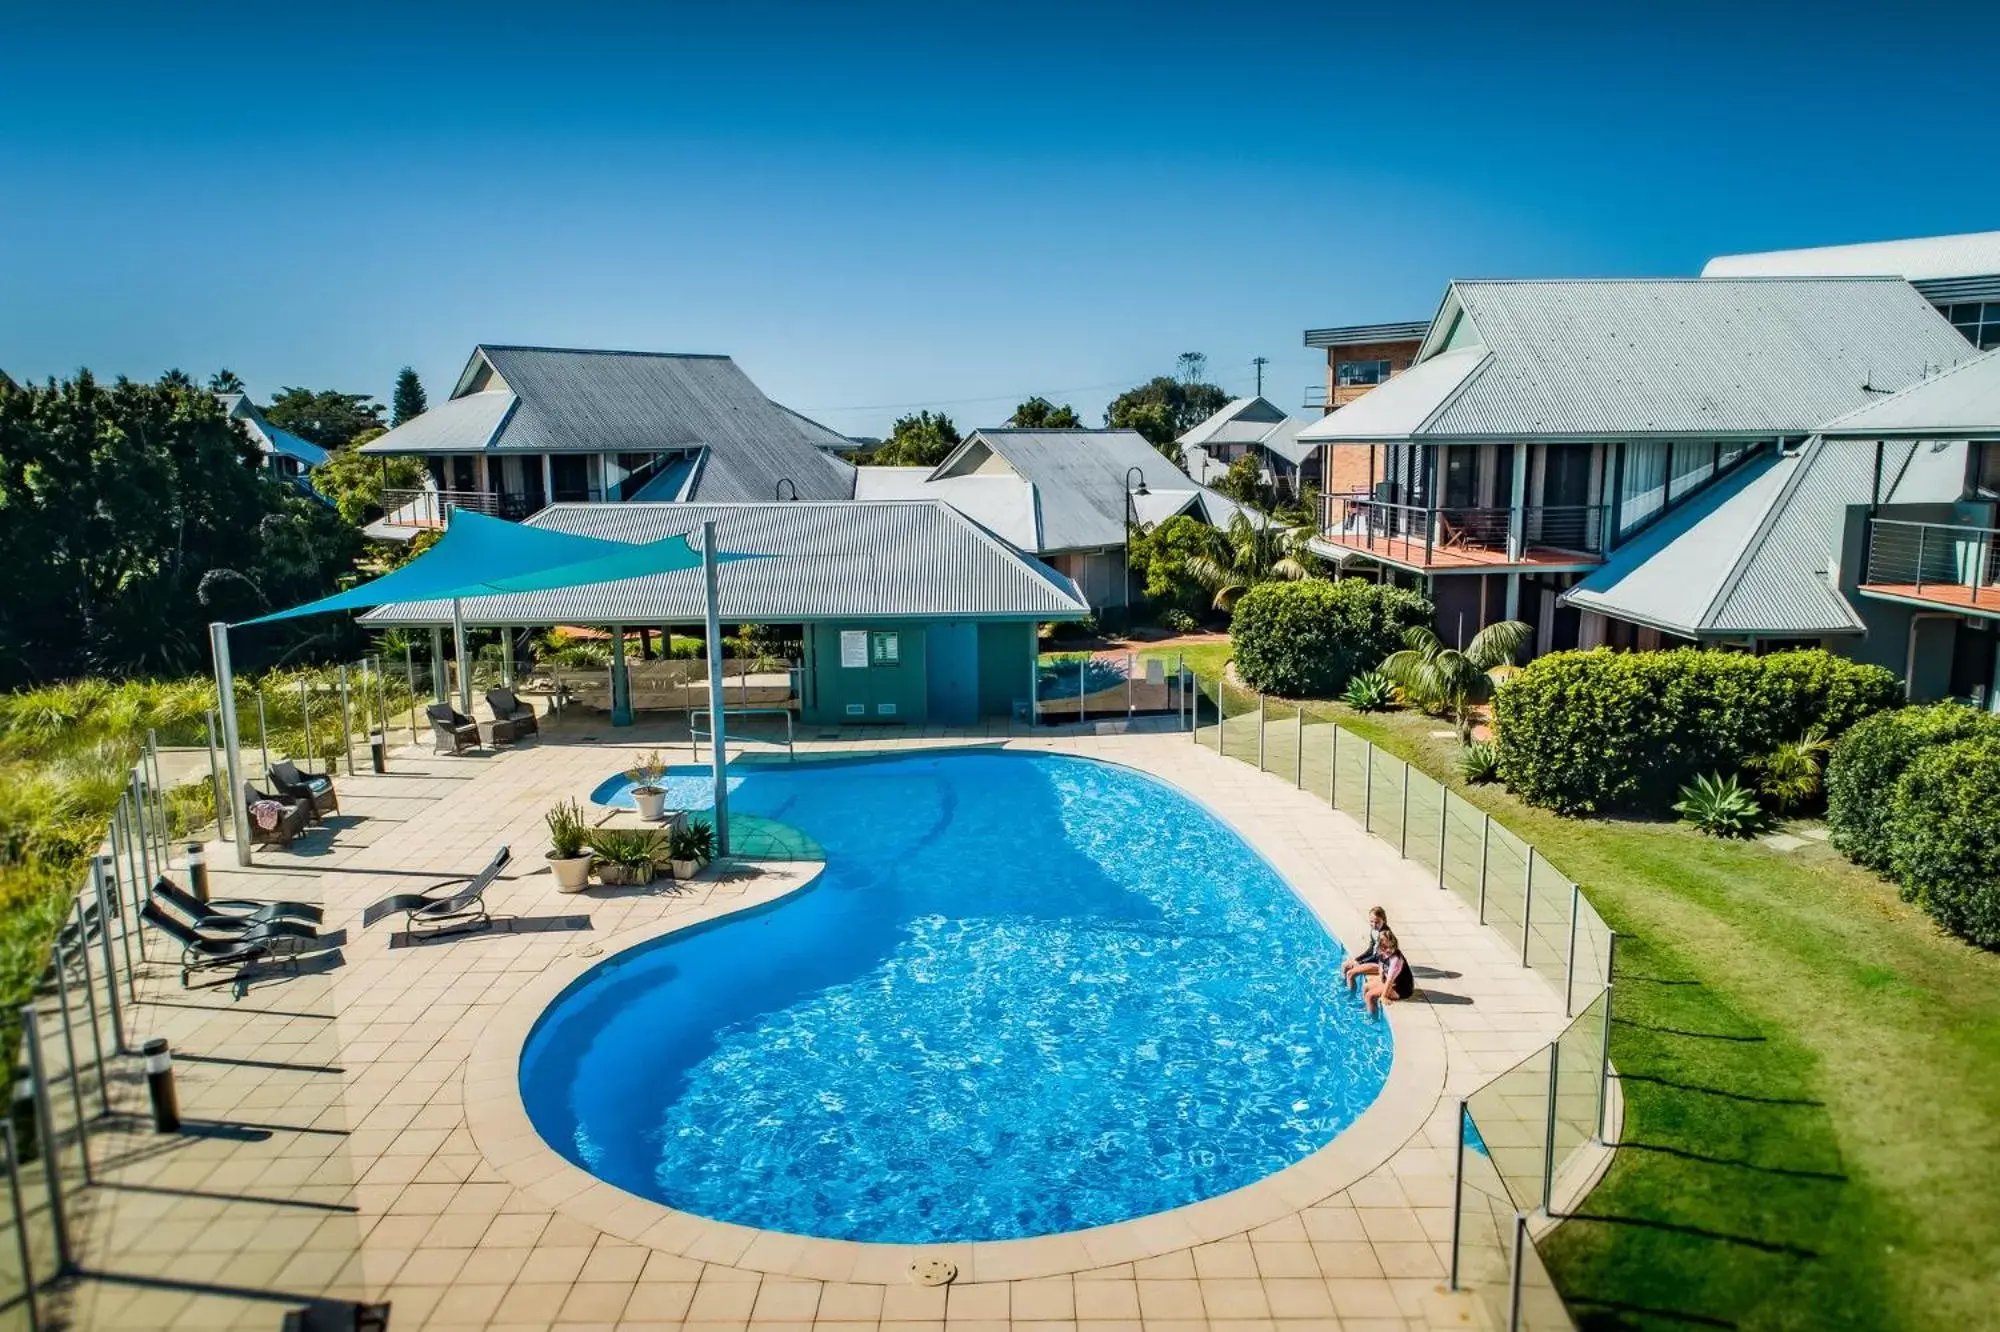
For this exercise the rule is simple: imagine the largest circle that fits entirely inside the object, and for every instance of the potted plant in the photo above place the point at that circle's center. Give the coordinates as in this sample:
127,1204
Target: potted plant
648,796
692,844
569,859
627,855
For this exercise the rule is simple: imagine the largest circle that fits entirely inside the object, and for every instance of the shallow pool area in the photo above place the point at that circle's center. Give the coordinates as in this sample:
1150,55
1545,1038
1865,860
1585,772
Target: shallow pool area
1028,994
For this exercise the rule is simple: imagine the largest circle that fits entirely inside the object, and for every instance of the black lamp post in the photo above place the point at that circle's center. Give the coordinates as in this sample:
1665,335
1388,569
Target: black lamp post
1131,513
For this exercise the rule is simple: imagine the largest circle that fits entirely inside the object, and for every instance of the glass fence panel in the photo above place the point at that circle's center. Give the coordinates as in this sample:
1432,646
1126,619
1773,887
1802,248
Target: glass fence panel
1548,920
1579,1051
1464,834
1512,1114
1424,839
1485,1226
1541,1306
1281,739
1593,954
1506,882
1316,765
1351,774
1385,805
1240,737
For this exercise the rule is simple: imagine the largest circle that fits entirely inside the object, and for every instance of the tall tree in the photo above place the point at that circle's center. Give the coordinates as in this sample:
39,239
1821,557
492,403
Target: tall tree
328,417
225,381
178,526
1038,413
1164,409
923,439
408,401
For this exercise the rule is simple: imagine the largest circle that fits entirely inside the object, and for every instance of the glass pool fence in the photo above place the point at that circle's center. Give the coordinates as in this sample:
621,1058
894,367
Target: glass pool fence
1531,1137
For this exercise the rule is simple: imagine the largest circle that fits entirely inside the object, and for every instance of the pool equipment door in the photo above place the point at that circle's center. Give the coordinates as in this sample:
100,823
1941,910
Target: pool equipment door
952,670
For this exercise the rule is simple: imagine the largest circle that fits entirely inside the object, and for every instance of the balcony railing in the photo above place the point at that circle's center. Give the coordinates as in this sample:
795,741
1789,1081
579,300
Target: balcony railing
1315,395
1934,561
1423,537
432,508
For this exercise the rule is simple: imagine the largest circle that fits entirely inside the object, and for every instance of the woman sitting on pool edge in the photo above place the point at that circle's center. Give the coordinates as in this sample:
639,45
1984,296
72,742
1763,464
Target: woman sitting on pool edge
1368,962
1396,980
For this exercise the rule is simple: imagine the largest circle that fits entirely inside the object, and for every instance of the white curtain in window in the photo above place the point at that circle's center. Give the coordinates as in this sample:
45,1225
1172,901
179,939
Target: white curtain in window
1694,463
1643,489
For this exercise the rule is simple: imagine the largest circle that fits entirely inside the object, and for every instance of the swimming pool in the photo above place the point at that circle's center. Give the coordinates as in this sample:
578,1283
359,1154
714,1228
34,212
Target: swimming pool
1029,994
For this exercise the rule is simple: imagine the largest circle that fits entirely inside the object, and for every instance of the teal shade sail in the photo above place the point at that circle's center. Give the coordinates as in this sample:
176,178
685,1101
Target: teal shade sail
479,556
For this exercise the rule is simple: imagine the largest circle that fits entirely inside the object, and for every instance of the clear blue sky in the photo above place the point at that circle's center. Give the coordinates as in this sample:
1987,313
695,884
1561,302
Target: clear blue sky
926,204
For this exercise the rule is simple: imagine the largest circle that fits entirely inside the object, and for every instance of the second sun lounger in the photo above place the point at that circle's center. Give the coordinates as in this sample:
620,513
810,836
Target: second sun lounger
427,915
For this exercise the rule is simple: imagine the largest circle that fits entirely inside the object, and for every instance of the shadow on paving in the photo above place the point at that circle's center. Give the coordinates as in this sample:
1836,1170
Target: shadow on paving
1716,1211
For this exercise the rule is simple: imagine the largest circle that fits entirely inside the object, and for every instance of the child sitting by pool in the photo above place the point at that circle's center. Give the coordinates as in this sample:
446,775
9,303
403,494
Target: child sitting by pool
1395,980
1368,962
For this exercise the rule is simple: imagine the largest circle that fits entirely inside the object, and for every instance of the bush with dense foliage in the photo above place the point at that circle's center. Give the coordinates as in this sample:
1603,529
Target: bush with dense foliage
1307,639
1868,761
1603,730
1944,835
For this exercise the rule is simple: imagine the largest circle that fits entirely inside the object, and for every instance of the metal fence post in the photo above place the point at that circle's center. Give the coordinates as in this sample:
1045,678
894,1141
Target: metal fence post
1333,768
45,1128
75,1073
1604,1053
346,728
1299,750
1082,684
263,732
1458,1194
20,1224
1444,827
1403,818
410,675
306,719
1549,1130
128,886
135,797
99,867
382,702
1260,732
1131,664
1367,784
1221,710
1514,1275
90,1002
1527,905
1485,841
1569,963
215,778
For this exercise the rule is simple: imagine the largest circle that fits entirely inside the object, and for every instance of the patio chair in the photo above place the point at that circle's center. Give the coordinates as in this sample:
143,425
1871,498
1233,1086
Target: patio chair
232,913
297,814
276,941
512,718
426,916
315,790
453,731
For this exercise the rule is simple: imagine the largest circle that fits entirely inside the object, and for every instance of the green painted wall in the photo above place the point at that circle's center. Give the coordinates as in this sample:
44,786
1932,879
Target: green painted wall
1003,662
1006,666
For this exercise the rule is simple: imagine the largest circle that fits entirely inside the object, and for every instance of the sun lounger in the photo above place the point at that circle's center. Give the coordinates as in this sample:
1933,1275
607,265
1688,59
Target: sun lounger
427,914
315,791
276,941
232,913
452,731
512,718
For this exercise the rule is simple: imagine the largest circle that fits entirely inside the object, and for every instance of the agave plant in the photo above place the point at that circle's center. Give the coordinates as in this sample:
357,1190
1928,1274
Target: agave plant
1720,806
1792,775
1244,554
1454,681
1479,762
1369,691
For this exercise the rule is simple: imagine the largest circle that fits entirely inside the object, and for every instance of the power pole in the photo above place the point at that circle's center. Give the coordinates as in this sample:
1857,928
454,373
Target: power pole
1260,362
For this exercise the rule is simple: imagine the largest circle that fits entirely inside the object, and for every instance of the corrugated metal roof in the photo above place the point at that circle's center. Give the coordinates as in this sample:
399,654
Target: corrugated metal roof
1399,408
1963,402
1685,357
1079,479
822,436
456,425
1003,505
1241,421
1354,335
268,438
825,561
1974,254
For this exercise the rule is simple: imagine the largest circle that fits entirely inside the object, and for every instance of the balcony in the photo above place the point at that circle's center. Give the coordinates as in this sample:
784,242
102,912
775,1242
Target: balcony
1316,397
1933,563
422,509
1417,537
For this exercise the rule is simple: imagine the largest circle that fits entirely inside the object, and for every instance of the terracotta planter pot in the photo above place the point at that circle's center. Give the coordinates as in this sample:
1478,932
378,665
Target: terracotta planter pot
651,802
572,873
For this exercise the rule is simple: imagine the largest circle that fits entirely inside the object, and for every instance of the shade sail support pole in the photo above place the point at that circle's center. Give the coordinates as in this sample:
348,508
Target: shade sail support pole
459,654
225,702
717,755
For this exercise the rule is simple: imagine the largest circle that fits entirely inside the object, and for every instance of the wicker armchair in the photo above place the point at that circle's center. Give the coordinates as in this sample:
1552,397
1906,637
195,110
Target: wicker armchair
298,814
452,730
316,791
512,719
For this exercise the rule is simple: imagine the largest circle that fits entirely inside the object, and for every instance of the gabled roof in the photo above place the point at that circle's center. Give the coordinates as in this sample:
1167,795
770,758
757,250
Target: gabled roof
1962,402
1754,553
1003,505
270,439
1670,358
824,561
1254,420
1921,259
564,400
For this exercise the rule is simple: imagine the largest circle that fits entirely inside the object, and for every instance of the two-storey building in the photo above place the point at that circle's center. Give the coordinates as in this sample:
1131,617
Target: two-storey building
1547,425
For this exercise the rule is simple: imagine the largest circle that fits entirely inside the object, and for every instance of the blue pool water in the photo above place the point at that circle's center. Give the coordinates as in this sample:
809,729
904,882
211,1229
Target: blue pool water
1028,994
688,786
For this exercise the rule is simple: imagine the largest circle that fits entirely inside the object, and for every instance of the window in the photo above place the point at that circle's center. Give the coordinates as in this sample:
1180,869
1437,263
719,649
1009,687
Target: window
1354,374
1978,321
1987,478
1643,490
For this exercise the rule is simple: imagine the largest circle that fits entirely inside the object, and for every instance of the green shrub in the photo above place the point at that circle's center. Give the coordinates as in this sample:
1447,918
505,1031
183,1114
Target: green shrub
1867,762
1479,761
1720,806
1944,835
1604,730
1178,620
1307,639
1793,776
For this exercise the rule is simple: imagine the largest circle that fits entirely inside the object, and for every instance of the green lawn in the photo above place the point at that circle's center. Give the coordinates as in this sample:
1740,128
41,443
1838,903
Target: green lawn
1812,1080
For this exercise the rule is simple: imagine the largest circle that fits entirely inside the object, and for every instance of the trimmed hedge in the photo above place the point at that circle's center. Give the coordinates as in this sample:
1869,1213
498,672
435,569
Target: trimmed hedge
1867,762
1944,835
1602,730
1307,639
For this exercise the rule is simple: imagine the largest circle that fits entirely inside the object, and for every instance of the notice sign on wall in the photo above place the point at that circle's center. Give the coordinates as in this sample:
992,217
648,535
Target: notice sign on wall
854,648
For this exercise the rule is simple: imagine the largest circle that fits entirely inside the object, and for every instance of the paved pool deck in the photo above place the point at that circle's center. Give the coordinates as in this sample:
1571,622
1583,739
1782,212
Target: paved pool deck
360,1138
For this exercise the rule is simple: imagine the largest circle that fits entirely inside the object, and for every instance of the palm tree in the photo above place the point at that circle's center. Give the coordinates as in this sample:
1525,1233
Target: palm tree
1244,554
1454,681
